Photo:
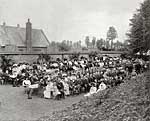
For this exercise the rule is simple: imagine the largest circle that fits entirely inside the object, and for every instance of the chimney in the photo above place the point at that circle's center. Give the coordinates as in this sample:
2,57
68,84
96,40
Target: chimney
28,36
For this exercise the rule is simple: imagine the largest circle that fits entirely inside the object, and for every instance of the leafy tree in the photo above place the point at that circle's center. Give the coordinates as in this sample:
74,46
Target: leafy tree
99,44
93,41
118,45
139,34
111,35
63,46
136,33
75,44
87,41
80,43
70,43
53,43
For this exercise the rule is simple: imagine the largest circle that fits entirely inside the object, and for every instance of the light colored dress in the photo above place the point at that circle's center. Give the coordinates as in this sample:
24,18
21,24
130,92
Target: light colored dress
92,91
49,89
56,91
66,89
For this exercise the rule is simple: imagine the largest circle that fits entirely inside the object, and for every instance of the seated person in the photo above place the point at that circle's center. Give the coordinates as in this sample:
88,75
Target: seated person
48,93
30,87
14,79
66,88
133,74
92,90
102,87
56,92
60,87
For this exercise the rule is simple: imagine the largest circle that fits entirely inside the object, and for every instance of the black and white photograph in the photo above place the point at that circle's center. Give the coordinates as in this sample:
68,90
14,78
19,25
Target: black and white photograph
74,60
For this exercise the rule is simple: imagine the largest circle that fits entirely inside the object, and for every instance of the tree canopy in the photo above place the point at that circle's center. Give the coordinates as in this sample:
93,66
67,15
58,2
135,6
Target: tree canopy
139,34
99,43
111,35
87,41
93,41
63,46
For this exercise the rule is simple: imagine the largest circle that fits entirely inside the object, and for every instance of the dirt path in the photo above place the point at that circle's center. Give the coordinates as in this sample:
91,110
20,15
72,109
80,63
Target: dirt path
16,106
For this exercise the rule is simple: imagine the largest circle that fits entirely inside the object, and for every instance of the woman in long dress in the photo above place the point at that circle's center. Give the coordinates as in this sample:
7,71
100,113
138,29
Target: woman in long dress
48,93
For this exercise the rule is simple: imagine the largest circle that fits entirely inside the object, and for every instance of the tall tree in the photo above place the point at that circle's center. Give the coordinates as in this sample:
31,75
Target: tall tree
80,43
111,35
93,41
70,43
139,34
63,46
99,44
53,43
87,41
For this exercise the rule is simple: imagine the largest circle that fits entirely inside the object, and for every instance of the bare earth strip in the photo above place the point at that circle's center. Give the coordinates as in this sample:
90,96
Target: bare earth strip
16,107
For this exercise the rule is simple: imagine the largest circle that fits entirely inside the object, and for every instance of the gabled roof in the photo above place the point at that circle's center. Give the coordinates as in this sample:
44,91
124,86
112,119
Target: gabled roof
10,35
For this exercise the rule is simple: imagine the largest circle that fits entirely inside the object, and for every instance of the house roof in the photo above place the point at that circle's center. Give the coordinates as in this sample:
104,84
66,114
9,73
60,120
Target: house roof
10,35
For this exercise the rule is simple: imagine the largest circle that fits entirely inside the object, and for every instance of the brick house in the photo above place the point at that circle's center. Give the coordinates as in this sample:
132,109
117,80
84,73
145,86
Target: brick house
22,40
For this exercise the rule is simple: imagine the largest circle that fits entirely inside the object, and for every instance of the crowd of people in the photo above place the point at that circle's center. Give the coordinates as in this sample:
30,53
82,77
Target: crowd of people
61,78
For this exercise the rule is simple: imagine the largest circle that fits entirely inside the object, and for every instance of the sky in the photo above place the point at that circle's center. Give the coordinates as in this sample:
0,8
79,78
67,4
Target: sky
71,19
